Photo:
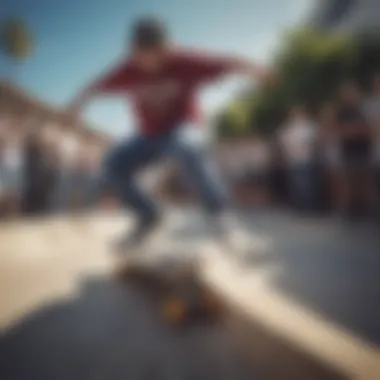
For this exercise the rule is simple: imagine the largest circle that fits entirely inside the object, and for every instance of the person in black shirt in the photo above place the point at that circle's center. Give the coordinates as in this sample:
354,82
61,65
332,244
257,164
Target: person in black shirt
355,145
372,109
40,175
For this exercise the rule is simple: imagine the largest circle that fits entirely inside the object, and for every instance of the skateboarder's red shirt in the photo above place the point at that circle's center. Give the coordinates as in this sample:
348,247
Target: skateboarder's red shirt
165,98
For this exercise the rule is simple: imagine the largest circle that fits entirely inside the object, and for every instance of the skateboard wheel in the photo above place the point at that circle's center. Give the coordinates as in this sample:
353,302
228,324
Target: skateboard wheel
175,310
210,303
122,270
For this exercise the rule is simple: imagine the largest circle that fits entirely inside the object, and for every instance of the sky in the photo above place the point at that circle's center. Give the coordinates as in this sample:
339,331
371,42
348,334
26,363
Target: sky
77,39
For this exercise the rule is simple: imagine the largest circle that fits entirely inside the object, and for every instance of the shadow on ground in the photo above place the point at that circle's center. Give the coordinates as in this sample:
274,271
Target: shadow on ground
113,331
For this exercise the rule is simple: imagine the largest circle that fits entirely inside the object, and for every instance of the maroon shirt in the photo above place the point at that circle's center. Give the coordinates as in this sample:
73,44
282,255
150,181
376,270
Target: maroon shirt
166,98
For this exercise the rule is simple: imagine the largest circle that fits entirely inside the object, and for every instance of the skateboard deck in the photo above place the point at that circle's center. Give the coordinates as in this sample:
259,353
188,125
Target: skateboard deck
175,282
175,275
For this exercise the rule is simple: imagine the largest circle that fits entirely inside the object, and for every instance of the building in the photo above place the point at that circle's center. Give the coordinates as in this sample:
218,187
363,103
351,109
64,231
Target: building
347,16
21,106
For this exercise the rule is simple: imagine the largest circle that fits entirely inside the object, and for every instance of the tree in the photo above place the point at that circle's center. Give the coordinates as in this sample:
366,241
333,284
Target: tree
16,46
16,43
16,39
311,66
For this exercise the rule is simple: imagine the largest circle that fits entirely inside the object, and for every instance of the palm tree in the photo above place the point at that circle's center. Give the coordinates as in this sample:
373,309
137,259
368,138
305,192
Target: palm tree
16,43
15,46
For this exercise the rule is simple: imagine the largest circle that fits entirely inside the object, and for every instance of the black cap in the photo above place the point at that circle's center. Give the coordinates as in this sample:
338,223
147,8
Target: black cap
149,32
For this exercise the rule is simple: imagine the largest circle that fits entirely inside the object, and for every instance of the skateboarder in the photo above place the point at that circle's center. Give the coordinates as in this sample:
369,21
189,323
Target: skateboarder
162,81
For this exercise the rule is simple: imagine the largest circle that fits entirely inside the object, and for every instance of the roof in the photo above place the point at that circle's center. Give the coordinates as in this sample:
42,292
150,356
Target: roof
13,91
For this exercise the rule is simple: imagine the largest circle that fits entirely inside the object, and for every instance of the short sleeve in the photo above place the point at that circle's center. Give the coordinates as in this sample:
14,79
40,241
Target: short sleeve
203,67
116,80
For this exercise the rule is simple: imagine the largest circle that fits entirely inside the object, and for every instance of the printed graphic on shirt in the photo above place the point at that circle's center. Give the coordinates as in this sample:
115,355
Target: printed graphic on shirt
157,96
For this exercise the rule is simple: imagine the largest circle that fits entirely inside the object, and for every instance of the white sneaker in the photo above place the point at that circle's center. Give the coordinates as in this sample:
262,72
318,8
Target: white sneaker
233,237
137,239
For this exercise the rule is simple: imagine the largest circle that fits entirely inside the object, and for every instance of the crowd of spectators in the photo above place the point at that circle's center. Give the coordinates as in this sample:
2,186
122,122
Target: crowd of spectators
334,156
327,159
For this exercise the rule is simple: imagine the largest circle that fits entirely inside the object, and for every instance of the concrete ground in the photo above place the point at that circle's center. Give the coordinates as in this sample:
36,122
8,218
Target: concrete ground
306,310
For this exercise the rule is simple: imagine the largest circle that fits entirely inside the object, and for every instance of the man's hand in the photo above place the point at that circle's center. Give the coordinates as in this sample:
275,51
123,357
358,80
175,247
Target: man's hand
253,70
267,77
74,109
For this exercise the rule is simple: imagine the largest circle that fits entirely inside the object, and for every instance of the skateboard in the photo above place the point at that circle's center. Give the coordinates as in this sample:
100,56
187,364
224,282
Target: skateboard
175,283
174,277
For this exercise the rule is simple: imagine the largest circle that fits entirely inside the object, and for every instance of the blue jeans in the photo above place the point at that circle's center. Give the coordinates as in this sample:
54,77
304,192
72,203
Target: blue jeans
126,159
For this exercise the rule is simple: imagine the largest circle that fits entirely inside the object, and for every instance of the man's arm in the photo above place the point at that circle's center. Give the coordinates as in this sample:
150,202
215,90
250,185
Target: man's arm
252,69
205,67
80,100
113,81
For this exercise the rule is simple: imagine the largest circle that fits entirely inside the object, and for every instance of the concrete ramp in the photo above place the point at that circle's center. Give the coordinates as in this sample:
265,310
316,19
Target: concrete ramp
62,315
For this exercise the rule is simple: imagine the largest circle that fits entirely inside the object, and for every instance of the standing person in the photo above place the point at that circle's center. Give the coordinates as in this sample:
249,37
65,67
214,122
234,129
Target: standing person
372,111
254,162
68,150
231,166
40,173
3,178
355,143
331,156
298,140
277,176
85,176
259,168
10,173
162,82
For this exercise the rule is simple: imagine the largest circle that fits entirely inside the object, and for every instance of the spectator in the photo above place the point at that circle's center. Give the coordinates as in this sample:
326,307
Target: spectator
354,138
4,123
3,178
330,156
67,148
278,185
40,172
233,166
10,174
298,141
257,168
372,110
229,160
85,177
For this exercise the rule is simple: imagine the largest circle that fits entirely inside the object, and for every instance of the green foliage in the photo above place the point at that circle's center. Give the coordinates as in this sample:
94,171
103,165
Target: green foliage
15,39
311,66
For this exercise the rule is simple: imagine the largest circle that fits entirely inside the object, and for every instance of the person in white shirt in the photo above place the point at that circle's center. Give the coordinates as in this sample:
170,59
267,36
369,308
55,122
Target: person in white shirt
298,140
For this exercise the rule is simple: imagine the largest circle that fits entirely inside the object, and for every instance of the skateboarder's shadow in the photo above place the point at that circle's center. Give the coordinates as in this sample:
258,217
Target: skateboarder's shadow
111,331
100,334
